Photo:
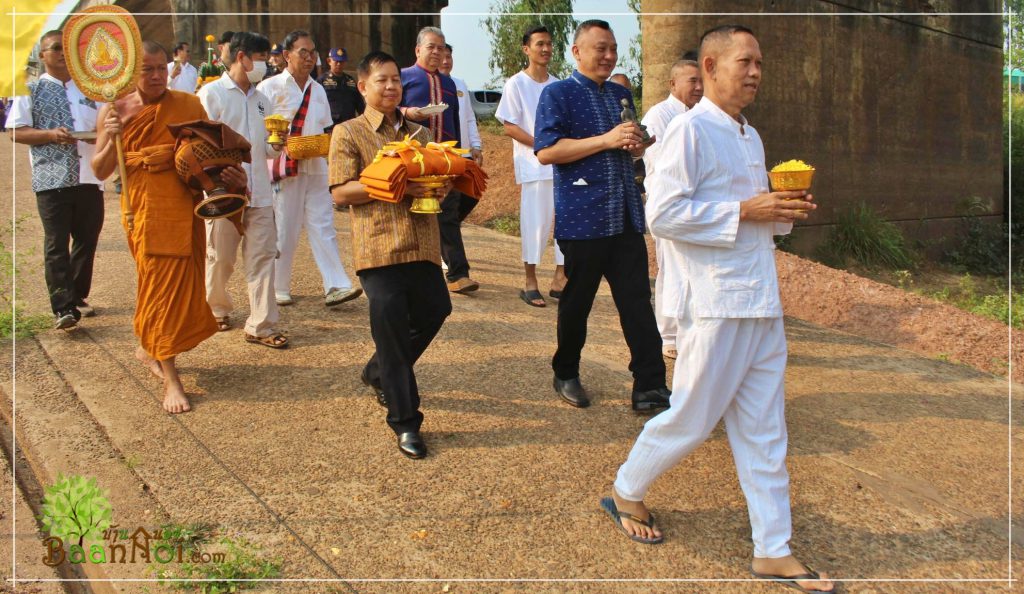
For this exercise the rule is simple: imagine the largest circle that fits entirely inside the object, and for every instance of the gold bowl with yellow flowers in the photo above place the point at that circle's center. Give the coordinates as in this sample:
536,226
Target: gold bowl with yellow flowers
791,175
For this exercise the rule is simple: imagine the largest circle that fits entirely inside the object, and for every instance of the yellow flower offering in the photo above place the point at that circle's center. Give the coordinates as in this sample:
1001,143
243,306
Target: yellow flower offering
792,165
210,38
791,175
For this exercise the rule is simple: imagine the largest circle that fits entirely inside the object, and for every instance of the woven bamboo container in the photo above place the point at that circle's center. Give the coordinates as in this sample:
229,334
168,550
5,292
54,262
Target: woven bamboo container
309,147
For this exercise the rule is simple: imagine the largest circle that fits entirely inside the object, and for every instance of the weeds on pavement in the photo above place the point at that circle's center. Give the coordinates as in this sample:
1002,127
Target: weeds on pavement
13,319
507,224
219,563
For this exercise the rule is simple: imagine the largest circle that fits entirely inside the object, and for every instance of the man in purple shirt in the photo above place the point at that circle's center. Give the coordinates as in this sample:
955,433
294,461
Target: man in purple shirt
423,84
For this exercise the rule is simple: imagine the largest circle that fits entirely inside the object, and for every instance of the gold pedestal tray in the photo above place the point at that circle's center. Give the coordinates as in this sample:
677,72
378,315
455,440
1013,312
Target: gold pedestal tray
276,124
430,203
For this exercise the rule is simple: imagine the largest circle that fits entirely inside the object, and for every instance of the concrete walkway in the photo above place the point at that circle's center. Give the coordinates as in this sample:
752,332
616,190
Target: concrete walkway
899,463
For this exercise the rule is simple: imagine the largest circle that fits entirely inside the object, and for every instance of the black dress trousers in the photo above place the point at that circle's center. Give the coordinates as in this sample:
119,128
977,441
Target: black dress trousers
408,305
622,260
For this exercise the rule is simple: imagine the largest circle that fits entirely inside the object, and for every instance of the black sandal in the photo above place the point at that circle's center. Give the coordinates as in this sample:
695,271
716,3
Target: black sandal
529,297
608,505
790,580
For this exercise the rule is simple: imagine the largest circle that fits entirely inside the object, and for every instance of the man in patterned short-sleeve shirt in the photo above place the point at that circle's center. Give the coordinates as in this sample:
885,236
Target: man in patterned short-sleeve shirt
397,253
68,194
599,216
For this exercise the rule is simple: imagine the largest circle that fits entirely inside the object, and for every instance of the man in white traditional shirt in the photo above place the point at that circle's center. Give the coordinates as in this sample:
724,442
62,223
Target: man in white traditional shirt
182,75
685,90
470,134
234,100
517,111
301,196
709,200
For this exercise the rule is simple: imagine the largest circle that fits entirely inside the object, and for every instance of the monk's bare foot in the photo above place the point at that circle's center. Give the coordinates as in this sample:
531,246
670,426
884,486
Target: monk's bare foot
175,400
638,509
152,364
789,566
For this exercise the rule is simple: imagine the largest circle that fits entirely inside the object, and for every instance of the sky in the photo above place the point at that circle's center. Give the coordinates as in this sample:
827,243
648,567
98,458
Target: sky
462,23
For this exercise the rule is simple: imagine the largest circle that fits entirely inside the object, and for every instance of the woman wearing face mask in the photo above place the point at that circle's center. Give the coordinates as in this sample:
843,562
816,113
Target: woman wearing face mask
235,101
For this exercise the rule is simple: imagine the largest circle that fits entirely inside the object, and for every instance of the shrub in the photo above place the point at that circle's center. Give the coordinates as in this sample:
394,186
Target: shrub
995,305
860,235
491,124
784,243
983,246
1013,108
507,224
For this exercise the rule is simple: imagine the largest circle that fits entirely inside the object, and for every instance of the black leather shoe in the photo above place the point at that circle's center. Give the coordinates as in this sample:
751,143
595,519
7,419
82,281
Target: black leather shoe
411,444
572,391
381,400
651,400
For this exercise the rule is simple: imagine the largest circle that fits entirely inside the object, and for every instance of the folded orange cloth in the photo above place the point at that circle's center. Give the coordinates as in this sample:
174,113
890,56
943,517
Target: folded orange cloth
386,178
473,182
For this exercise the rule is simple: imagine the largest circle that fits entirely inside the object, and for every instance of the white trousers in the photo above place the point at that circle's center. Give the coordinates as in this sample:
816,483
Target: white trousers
305,200
536,220
668,326
259,249
731,368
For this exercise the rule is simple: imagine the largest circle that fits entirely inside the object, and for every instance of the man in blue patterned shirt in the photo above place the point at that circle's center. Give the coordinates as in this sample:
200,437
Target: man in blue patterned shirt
599,216
68,194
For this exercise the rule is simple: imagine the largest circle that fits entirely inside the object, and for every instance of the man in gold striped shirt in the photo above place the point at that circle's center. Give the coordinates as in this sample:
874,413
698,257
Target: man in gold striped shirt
397,253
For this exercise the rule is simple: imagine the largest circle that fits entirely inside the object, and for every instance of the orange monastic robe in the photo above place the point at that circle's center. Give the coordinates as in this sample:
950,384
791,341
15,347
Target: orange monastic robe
166,239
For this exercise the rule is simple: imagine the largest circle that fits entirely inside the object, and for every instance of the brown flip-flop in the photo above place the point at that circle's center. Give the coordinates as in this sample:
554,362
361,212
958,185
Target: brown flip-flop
276,340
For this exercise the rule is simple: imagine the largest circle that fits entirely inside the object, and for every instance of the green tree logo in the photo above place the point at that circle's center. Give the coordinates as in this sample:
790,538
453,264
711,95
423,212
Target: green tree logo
75,509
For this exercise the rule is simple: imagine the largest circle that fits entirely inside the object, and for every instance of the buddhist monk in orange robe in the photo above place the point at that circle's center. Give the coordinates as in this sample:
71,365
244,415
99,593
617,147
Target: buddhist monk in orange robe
167,241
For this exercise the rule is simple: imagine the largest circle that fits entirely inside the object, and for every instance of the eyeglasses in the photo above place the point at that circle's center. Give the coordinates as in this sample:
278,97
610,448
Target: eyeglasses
306,54
57,47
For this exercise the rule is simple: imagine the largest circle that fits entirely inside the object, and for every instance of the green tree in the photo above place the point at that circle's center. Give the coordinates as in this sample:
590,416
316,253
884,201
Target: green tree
508,21
75,509
1013,32
634,63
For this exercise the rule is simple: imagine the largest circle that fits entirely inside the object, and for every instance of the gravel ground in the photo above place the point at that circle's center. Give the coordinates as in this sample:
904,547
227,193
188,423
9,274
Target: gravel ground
898,462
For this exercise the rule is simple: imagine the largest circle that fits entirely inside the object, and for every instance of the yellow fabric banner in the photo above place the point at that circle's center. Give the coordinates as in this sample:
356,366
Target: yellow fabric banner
18,34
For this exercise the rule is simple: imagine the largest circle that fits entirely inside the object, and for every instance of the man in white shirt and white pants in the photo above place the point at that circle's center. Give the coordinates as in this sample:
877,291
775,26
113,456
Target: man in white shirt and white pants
467,119
517,111
468,130
181,74
301,196
685,90
709,200
234,100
